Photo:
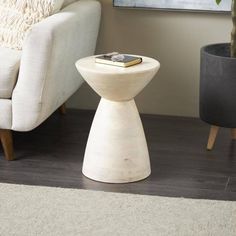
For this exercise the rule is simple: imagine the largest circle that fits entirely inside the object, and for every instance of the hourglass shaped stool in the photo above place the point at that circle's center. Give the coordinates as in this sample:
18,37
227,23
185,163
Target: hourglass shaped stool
116,150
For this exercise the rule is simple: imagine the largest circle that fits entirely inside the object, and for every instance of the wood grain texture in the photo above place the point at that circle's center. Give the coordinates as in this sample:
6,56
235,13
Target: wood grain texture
212,137
7,144
52,155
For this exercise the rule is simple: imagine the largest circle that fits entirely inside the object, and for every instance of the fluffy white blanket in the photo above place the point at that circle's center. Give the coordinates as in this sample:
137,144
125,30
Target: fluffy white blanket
18,16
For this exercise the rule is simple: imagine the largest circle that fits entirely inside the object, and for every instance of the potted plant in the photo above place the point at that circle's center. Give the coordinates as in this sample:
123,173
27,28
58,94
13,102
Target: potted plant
233,33
218,84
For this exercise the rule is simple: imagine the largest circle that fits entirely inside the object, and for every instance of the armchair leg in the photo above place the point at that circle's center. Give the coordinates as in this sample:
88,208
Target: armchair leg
62,109
7,144
212,137
233,134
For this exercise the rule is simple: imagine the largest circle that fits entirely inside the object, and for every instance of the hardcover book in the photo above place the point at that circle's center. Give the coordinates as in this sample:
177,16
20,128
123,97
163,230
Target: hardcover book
121,60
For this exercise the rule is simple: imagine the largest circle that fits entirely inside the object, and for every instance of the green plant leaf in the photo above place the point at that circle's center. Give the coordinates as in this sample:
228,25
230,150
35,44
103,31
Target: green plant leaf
218,1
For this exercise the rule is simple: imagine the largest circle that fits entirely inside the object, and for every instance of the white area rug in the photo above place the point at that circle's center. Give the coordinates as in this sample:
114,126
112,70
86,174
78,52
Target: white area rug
32,210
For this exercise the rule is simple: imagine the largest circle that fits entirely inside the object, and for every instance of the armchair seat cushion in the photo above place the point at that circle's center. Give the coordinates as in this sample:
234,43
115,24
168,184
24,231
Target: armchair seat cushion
9,67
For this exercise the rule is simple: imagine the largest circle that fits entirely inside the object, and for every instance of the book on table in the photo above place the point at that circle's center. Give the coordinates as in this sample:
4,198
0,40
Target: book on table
116,59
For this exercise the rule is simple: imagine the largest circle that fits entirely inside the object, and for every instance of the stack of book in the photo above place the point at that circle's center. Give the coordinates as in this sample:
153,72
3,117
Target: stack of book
116,59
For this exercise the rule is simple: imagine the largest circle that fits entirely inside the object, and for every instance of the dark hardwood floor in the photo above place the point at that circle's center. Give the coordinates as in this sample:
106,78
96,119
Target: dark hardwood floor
52,155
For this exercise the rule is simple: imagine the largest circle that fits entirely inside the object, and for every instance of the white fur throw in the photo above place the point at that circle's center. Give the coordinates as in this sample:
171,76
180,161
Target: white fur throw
18,16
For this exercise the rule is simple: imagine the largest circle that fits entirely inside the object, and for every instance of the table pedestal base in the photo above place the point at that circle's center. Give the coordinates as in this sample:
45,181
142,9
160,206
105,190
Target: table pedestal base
116,150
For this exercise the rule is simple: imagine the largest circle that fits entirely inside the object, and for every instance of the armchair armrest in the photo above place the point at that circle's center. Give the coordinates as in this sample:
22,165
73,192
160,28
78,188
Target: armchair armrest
47,76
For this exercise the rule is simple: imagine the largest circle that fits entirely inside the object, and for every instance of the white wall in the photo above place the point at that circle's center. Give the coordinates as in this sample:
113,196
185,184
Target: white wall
175,39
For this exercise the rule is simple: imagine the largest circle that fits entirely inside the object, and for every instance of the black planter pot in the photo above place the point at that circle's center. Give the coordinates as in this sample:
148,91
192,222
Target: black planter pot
218,86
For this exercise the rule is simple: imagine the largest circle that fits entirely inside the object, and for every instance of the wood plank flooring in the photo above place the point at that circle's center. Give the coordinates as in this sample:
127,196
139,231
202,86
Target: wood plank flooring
52,155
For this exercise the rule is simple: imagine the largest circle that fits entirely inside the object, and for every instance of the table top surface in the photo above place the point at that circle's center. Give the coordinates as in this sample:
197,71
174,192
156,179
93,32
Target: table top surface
88,64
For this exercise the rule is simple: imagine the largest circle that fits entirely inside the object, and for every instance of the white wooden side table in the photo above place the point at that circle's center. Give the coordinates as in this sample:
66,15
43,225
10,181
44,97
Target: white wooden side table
116,150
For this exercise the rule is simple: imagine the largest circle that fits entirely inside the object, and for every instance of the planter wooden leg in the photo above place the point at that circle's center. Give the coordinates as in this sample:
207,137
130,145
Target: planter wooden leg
233,134
62,109
212,137
7,144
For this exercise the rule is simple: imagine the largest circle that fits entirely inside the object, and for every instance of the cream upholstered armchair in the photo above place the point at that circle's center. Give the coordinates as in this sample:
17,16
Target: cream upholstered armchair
36,81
